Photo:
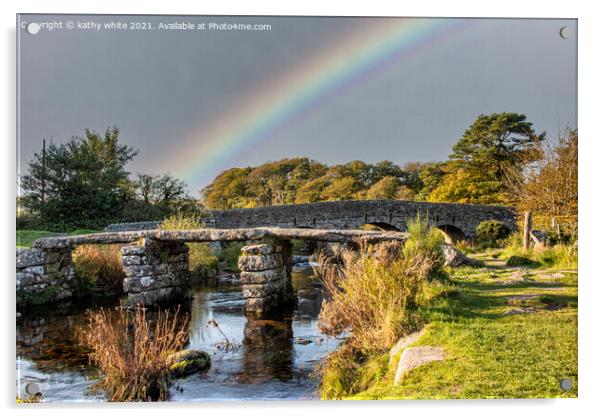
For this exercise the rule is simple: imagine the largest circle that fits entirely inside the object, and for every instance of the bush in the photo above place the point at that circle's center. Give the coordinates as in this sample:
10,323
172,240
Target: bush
492,232
522,261
374,303
132,352
200,255
98,268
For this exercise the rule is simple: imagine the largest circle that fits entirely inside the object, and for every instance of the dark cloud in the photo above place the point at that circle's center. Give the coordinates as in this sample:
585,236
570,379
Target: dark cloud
158,86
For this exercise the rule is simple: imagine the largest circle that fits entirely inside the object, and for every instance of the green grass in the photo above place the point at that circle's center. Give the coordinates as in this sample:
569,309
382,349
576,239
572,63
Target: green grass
491,354
25,238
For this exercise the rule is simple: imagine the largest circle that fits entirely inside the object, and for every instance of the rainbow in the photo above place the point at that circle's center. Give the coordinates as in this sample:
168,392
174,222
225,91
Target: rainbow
340,65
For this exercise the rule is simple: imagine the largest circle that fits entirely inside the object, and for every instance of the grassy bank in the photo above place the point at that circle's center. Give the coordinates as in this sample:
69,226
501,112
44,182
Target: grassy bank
508,332
374,299
25,238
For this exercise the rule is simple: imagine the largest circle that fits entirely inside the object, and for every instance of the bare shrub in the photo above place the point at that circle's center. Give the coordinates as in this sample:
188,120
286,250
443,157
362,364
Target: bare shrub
98,267
132,351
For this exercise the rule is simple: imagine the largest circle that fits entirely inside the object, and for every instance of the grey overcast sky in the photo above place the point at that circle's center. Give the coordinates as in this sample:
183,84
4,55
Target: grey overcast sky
163,88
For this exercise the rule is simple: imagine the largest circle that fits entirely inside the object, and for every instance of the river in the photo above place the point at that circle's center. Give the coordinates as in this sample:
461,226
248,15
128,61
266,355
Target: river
275,359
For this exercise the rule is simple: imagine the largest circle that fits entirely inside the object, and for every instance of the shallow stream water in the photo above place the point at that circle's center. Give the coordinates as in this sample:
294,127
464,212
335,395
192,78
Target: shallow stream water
275,359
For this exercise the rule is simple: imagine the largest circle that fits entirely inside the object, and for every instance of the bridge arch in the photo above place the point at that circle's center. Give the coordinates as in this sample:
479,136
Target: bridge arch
382,226
451,233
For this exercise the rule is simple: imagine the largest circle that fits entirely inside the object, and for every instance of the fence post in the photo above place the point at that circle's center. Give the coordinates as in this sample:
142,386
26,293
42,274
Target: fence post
527,230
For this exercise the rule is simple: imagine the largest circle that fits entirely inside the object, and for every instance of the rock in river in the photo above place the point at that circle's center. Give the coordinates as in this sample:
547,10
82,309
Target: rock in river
187,362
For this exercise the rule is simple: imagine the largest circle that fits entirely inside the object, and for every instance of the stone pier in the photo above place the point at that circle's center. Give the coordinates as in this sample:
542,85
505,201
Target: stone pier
155,271
43,276
265,274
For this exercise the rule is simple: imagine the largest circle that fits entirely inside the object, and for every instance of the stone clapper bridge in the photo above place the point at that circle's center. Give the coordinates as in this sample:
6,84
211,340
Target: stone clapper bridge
155,261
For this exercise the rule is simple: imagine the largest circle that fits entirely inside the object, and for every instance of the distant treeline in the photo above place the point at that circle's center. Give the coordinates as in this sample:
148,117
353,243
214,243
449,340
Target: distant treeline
499,159
495,148
302,180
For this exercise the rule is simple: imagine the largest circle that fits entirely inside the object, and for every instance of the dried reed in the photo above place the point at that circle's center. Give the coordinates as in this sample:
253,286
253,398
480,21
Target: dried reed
132,351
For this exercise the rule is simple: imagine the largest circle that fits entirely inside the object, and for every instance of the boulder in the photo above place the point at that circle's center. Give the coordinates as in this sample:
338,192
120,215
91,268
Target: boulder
454,257
187,362
413,357
404,342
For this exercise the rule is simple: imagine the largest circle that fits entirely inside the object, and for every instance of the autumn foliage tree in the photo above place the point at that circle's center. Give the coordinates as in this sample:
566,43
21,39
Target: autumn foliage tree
550,186
302,180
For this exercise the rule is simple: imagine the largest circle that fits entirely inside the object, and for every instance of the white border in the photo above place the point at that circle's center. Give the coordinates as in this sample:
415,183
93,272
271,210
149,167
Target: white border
590,151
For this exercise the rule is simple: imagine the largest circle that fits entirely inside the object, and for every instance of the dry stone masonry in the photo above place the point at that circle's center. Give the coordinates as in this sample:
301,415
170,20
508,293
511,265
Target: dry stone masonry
265,274
43,275
155,262
458,221
155,271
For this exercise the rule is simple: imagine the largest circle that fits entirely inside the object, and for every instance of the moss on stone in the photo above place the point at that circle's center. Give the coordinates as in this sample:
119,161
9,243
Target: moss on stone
187,362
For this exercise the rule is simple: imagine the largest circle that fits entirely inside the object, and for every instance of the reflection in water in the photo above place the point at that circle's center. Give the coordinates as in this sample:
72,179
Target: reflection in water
267,350
275,359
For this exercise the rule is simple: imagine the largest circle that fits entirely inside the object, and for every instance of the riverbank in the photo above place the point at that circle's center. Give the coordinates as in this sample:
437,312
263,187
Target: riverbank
507,332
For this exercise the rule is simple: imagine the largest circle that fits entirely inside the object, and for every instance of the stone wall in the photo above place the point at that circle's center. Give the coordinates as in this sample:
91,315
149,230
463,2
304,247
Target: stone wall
265,275
43,275
155,271
131,226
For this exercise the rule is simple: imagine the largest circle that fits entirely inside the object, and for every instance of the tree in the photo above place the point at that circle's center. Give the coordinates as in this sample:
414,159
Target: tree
164,189
405,193
550,188
304,172
169,189
228,190
461,186
302,180
341,189
412,172
145,186
431,176
494,147
385,189
81,183
496,142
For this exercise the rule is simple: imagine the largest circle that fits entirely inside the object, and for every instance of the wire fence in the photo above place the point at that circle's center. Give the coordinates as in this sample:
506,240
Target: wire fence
564,225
